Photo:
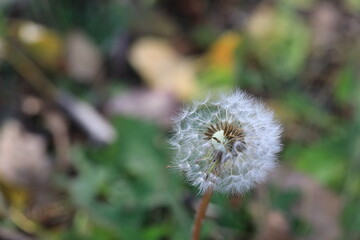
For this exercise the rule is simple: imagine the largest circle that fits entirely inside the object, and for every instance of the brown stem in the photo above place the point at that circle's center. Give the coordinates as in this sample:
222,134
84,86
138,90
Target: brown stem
200,215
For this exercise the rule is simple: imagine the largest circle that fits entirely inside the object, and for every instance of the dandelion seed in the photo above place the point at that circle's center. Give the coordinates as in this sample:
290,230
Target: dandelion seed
227,145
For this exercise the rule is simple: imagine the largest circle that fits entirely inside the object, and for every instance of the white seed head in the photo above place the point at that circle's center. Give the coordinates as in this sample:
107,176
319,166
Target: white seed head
228,144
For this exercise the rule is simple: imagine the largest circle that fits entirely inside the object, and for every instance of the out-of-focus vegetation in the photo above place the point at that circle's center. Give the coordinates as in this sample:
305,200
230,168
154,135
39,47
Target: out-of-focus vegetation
87,89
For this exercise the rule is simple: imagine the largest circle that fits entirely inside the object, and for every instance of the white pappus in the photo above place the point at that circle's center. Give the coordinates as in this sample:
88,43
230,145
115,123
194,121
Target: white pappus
226,145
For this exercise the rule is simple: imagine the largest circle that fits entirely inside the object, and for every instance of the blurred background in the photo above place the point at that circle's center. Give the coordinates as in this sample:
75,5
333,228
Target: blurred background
87,90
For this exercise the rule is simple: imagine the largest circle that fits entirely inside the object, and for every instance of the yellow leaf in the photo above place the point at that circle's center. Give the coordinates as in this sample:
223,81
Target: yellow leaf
43,44
222,52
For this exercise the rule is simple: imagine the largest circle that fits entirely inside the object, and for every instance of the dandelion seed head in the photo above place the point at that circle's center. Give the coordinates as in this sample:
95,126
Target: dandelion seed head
227,144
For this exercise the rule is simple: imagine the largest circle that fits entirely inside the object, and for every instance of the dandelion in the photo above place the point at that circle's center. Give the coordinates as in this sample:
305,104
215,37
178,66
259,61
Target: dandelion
225,145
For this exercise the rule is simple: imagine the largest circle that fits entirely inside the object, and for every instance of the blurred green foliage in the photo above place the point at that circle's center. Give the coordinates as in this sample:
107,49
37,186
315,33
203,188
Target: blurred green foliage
124,190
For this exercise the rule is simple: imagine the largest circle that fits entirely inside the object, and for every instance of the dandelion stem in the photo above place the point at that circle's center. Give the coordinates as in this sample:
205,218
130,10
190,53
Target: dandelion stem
200,214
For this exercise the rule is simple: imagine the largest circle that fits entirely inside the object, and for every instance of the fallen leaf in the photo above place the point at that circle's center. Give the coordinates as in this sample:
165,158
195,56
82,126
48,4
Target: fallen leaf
87,117
23,160
276,227
7,234
31,105
156,106
316,206
325,22
83,58
162,67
